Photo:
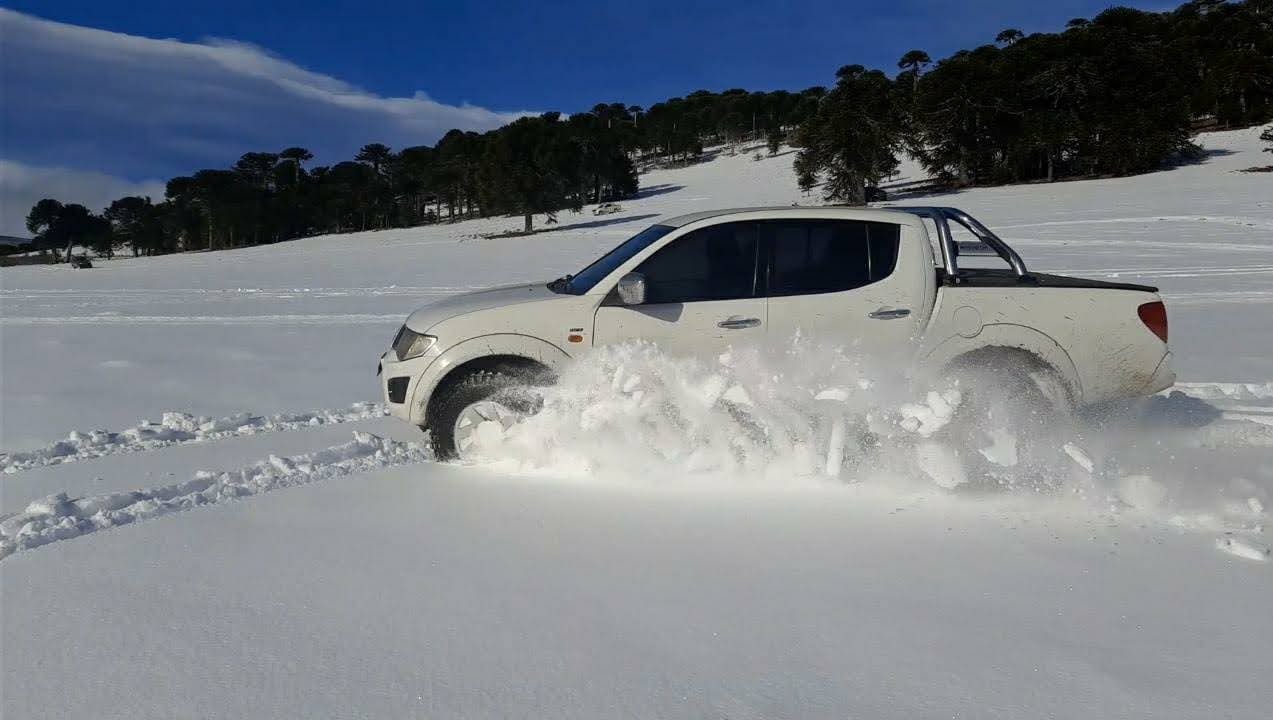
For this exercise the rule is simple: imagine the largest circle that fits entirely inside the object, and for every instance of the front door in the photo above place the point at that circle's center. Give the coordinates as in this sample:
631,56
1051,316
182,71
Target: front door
703,295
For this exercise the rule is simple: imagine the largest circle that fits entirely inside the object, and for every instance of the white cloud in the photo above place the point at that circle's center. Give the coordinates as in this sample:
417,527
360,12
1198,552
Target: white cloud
135,107
22,186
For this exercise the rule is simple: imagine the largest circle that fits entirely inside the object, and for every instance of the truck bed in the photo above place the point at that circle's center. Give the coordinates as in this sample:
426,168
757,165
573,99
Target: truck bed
969,277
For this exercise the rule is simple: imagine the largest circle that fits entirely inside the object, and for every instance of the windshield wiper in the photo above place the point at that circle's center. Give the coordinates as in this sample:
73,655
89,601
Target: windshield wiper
561,284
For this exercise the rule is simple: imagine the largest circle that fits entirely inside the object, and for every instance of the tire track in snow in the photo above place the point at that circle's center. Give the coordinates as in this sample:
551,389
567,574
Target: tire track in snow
58,517
338,319
1237,297
1228,390
177,429
253,291
1245,412
1244,402
1171,272
1234,220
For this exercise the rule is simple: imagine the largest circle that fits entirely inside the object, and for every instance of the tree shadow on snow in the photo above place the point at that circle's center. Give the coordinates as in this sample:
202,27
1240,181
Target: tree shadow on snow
598,223
654,190
912,191
928,188
556,228
1188,159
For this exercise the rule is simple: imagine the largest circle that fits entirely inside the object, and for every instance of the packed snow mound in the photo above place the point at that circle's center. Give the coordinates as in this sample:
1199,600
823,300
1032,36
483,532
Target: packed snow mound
804,414
811,415
177,428
631,413
58,517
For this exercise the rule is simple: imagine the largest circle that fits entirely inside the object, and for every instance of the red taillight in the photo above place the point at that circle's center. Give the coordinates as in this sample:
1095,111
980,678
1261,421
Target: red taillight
1154,315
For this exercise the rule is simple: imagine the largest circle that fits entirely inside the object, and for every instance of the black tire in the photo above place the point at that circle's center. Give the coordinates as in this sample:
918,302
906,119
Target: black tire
504,386
1029,401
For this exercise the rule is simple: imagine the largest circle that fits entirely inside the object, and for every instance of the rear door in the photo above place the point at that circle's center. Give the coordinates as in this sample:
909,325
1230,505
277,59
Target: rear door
841,282
702,294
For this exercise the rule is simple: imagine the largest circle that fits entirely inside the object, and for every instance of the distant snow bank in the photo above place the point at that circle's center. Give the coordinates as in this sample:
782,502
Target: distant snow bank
58,517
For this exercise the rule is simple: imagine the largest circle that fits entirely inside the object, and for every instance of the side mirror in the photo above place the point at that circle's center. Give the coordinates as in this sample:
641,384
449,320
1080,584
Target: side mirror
632,289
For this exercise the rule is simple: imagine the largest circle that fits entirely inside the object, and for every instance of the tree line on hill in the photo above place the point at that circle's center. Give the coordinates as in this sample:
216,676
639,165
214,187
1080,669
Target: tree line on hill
1115,95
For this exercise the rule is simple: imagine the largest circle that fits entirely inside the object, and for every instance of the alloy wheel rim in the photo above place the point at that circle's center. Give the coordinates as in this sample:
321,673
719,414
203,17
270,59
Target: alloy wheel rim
473,417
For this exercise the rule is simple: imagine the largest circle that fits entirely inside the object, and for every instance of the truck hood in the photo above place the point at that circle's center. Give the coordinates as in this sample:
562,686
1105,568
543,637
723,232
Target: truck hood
429,315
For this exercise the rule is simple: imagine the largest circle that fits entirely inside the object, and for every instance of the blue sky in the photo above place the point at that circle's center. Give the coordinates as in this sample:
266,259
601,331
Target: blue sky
102,98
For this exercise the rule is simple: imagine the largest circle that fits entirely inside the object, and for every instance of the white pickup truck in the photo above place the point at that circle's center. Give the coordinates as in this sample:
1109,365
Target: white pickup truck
889,280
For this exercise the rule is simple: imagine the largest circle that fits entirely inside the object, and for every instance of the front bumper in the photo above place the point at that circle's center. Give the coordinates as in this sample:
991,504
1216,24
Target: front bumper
398,382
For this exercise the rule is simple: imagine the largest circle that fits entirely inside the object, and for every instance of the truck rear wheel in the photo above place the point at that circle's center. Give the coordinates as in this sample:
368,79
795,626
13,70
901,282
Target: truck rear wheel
1011,426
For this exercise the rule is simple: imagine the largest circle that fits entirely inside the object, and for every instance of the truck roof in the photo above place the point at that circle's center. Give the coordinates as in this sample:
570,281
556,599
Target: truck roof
860,213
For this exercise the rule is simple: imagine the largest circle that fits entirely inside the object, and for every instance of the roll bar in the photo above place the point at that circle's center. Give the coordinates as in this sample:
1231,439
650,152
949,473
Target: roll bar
942,216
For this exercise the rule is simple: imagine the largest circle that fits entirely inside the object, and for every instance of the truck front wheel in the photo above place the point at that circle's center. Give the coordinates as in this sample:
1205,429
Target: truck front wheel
480,404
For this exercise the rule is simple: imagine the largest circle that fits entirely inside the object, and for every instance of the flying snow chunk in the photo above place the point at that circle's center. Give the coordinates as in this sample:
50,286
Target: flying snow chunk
836,394
940,463
932,415
738,395
1079,456
1002,450
1242,548
1142,491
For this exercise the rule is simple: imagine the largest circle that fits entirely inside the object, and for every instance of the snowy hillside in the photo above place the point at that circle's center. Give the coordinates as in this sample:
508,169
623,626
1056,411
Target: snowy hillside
337,572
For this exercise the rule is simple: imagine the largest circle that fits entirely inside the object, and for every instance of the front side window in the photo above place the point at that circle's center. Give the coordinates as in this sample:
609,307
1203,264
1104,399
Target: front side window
824,256
606,264
716,263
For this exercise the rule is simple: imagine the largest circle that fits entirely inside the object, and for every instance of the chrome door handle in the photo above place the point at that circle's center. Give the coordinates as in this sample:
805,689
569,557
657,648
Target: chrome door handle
889,313
738,323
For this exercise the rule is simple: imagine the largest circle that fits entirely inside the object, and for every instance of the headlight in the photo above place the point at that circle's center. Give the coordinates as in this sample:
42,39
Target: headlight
409,344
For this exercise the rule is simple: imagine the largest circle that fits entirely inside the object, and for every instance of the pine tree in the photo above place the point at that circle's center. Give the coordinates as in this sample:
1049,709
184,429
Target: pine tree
853,139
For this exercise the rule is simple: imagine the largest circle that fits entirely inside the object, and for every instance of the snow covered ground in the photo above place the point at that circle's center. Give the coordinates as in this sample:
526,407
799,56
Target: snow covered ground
335,572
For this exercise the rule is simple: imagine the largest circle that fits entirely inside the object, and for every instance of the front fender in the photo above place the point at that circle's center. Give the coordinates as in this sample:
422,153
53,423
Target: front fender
522,346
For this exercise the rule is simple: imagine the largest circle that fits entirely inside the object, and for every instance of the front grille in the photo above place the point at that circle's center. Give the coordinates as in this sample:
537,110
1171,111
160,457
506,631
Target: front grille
398,389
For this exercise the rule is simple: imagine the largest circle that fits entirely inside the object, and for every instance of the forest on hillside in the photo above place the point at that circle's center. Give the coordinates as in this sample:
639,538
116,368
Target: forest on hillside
1117,94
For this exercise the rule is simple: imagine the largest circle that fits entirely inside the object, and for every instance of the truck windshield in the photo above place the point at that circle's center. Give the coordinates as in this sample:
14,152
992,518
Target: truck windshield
606,264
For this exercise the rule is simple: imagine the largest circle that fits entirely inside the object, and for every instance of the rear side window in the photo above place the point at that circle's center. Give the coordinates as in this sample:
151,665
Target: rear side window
825,256
715,263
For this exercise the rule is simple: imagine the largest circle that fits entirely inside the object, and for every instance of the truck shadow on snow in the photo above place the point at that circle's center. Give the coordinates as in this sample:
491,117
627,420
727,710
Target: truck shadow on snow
1176,410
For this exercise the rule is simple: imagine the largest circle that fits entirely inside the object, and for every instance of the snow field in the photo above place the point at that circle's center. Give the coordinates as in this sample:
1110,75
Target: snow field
784,532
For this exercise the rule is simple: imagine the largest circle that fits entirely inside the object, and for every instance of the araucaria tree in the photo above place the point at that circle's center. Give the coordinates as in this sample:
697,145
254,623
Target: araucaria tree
528,169
138,223
852,140
912,64
55,225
